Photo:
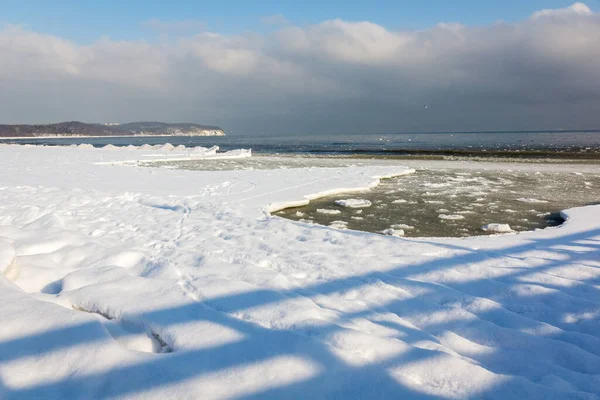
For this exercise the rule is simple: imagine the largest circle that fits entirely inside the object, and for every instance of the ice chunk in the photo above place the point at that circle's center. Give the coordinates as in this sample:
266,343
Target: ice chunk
339,224
393,232
402,226
451,216
532,201
497,228
328,211
353,203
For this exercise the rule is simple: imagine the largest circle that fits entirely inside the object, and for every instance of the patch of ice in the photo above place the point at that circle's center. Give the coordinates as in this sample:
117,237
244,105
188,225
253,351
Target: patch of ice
339,224
403,226
353,203
434,185
328,211
532,201
497,228
393,232
399,201
451,216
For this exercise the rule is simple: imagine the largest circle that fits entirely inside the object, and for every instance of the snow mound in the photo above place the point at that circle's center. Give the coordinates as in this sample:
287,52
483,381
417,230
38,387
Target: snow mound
497,228
353,203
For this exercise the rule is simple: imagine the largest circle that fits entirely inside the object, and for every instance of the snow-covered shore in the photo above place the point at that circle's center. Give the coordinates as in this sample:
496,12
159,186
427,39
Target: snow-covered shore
121,281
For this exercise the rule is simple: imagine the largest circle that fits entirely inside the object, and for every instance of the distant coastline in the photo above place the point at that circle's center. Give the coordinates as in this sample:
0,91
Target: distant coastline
77,129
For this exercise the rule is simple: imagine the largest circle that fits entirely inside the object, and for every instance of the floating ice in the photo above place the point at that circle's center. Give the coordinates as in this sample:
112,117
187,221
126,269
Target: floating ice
451,216
497,228
402,226
532,201
328,211
339,224
393,232
353,203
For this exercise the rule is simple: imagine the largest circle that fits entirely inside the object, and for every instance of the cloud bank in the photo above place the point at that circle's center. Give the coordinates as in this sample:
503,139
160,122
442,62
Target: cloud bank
335,76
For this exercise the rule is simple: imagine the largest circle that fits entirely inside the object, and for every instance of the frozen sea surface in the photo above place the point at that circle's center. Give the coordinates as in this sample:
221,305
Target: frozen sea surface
152,283
458,202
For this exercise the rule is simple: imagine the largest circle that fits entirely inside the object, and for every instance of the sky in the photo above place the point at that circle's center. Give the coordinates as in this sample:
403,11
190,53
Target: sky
291,67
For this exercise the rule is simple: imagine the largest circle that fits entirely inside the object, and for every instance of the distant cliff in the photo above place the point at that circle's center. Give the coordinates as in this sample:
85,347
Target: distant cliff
75,128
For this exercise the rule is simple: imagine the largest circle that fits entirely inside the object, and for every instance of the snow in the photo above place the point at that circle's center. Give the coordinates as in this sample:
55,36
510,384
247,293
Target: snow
497,228
129,282
353,203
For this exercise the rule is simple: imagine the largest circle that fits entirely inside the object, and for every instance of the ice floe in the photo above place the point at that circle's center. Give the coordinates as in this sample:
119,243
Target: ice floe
497,228
353,203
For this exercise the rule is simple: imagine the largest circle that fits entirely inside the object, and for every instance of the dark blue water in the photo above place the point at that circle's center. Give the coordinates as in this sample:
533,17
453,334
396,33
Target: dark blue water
364,143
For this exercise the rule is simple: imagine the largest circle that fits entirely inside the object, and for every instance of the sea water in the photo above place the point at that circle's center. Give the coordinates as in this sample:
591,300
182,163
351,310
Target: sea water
577,142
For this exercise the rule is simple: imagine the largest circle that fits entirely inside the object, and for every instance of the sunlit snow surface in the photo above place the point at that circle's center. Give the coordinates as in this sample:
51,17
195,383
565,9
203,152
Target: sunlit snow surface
131,282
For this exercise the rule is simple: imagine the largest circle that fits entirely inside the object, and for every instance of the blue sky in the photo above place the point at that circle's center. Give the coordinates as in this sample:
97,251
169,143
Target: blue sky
84,20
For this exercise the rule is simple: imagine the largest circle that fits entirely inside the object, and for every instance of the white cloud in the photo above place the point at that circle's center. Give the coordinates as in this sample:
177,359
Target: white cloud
574,9
338,75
